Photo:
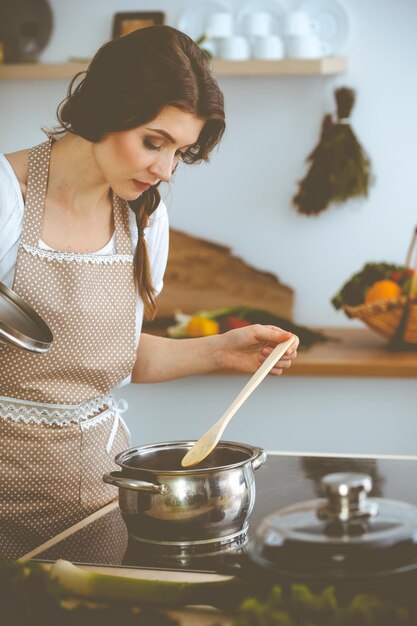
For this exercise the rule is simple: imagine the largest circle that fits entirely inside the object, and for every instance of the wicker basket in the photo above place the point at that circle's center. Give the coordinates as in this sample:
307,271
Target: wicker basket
396,318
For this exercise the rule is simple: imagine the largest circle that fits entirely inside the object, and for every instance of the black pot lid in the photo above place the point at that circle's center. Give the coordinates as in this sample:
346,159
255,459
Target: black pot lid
345,534
20,325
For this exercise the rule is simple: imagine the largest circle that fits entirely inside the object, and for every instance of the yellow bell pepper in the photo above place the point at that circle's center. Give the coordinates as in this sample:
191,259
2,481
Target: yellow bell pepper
201,327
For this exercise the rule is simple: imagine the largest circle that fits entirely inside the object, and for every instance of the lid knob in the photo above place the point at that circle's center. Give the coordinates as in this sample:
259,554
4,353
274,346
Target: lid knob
346,495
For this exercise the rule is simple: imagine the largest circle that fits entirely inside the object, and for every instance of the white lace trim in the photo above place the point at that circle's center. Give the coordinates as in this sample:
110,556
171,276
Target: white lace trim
98,419
70,257
57,414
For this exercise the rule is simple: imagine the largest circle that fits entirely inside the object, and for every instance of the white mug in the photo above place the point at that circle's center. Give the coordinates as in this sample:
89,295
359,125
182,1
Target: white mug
234,48
219,25
307,47
298,24
268,48
257,24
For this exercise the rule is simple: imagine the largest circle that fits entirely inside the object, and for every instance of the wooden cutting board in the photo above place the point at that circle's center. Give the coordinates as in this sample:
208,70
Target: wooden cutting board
205,275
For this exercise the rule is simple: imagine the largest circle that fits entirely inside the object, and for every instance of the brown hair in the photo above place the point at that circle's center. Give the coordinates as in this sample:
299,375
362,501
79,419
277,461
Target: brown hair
129,81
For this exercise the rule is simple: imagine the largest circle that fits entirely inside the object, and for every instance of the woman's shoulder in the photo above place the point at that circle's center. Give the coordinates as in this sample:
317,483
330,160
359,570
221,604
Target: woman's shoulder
12,185
19,163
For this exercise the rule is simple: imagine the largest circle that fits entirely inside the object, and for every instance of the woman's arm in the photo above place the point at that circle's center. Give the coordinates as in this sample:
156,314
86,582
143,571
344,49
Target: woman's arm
241,350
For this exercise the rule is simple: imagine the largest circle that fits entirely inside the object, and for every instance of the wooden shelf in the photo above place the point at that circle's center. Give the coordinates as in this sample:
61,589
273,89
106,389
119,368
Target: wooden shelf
286,67
40,71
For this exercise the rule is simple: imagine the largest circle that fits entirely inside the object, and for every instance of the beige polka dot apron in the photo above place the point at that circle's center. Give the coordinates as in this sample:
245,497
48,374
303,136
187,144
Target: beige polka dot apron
60,428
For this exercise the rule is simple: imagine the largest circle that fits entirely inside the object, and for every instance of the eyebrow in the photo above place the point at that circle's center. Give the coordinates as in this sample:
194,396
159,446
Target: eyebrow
167,136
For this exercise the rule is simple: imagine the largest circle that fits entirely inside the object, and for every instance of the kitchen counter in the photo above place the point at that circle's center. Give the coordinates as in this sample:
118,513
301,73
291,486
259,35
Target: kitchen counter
354,352
285,479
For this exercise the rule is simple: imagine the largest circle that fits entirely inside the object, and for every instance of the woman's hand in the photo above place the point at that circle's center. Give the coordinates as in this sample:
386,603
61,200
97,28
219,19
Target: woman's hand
245,349
242,350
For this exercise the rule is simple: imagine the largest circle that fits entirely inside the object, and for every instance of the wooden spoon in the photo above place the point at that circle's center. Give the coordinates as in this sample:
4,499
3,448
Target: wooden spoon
209,440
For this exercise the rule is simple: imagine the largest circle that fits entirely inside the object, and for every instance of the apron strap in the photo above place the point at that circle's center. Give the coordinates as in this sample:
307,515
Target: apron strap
37,183
38,171
121,225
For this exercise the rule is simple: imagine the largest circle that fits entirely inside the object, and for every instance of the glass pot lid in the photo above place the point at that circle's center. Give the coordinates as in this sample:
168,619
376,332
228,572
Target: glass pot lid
344,533
20,325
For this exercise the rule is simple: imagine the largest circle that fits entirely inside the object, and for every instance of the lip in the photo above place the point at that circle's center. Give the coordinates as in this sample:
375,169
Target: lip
141,186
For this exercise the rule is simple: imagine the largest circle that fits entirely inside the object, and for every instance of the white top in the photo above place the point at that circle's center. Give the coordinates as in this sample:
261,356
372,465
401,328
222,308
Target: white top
11,223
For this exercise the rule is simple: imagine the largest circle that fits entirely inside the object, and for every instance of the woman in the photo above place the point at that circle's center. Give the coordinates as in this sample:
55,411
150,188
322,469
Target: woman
89,264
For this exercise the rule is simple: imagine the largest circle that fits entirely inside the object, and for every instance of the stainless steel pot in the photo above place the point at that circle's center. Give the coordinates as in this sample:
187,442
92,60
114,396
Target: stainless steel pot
162,502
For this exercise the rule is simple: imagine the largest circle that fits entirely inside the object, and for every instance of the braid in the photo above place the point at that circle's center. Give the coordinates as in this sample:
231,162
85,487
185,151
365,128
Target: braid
143,208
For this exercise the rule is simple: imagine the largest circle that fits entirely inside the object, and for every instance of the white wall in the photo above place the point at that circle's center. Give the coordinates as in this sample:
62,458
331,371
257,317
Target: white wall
367,416
243,199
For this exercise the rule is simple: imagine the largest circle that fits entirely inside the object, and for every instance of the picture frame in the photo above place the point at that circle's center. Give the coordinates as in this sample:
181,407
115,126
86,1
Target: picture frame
125,23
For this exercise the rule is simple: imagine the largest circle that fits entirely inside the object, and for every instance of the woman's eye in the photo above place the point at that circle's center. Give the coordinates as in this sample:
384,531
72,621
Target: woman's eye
151,146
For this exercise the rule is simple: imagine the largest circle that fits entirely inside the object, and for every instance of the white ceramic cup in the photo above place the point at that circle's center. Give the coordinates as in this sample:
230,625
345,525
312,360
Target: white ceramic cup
235,48
307,47
268,48
298,24
256,24
219,25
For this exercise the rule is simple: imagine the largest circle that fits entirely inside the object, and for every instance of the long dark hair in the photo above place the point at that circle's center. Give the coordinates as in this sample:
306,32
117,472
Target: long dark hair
129,81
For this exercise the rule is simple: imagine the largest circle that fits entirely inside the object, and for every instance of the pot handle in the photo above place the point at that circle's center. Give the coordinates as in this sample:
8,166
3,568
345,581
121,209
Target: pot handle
259,459
117,479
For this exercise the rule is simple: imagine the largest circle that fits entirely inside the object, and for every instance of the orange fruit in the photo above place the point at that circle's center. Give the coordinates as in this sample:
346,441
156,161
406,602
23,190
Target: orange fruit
383,290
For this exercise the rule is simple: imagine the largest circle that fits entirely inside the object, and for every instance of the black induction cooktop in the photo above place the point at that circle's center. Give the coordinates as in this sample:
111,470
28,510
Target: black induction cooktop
281,481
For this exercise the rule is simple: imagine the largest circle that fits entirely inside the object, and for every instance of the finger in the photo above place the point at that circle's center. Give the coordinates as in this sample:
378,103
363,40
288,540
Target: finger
271,334
282,364
285,335
287,356
294,347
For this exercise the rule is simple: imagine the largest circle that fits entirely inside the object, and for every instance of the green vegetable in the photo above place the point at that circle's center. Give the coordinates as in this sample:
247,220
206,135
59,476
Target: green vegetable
254,316
225,594
353,291
65,595
33,594
29,596
257,316
302,607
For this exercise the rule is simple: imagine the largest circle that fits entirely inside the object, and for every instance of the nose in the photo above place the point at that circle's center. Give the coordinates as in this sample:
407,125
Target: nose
163,166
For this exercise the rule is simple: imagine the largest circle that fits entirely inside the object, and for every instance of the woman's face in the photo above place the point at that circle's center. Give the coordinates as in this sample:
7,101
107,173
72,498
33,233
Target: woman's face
133,160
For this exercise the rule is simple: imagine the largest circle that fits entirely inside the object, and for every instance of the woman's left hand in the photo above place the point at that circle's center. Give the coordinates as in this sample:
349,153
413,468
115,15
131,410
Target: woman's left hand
245,349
